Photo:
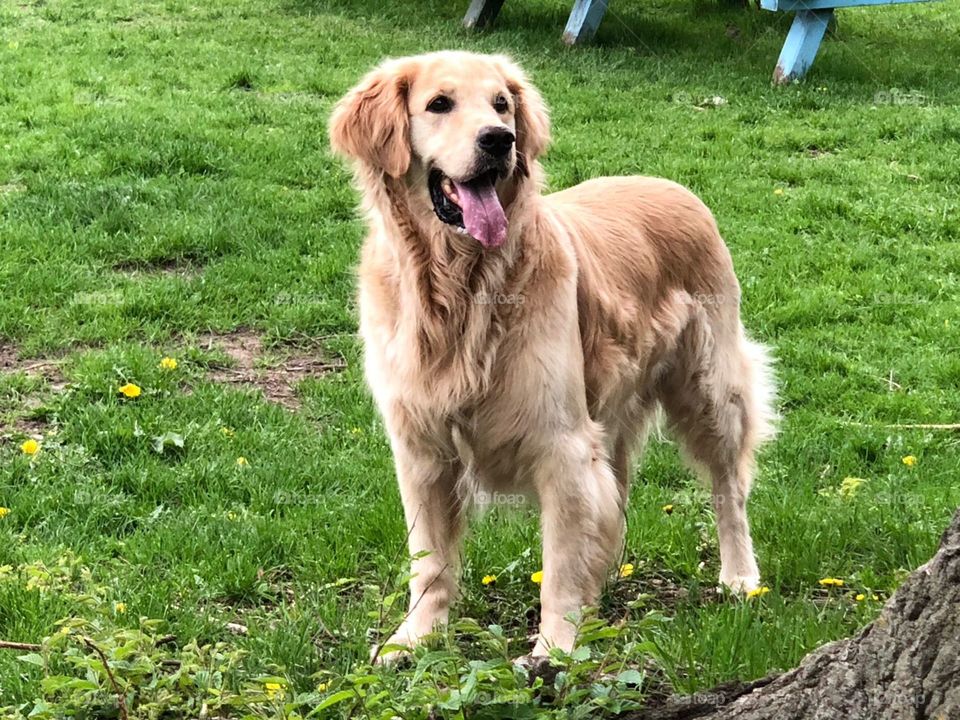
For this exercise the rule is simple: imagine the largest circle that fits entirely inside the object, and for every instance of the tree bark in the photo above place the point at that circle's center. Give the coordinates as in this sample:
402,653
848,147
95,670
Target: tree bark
904,665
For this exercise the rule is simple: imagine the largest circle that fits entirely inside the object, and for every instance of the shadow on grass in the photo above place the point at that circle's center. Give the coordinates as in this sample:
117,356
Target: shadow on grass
700,36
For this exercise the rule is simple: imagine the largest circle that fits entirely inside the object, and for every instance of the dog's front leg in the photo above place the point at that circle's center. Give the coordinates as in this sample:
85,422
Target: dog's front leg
582,527
434,524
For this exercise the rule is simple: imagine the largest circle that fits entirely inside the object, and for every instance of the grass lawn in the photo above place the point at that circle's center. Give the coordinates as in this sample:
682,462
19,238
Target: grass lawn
166,190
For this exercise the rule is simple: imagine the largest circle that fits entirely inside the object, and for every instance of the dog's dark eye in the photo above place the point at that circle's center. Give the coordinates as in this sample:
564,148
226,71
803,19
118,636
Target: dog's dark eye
500,104
440,104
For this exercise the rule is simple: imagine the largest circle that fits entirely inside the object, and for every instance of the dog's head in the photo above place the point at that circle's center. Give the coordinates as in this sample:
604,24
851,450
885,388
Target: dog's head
459,123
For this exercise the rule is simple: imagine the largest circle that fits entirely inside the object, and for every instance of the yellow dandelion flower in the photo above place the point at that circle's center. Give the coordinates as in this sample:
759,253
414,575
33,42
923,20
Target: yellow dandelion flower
273,689
778,191
489,579
322,687
758,592
4,511
242,461
227,431
168,363
831,582
130,390
668,509
30,447
120,608
626,570
860,597
537,577
910,460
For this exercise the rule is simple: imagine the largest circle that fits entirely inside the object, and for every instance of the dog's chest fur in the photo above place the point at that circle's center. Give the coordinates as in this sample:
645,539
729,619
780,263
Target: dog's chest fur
437,326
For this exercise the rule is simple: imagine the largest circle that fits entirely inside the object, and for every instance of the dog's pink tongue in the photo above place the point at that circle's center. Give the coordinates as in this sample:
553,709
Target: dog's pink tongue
483,215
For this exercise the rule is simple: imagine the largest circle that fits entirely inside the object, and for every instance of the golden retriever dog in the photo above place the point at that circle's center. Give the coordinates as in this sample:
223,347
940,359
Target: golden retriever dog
521,342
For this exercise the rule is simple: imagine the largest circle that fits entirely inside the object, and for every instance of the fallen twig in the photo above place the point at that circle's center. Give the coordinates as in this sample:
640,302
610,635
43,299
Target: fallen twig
117,690
7,645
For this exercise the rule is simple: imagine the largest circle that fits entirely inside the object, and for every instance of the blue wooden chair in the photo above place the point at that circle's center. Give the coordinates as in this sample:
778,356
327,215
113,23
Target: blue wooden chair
799,50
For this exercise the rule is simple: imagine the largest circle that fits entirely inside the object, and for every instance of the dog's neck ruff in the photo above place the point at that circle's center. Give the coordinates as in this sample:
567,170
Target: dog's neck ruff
449,286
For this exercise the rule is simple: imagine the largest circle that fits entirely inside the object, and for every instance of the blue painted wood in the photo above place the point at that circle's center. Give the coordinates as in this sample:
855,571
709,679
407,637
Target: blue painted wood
481,13
584,20
791,5
802,44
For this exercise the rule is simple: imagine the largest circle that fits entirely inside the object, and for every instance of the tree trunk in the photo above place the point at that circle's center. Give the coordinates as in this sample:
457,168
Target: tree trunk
904,665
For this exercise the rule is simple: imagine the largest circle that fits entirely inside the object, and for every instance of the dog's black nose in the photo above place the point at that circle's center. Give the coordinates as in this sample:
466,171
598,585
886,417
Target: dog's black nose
495,141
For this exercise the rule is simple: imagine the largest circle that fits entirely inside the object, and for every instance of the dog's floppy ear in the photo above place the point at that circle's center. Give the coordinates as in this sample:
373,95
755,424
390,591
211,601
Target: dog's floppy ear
533,122
371,123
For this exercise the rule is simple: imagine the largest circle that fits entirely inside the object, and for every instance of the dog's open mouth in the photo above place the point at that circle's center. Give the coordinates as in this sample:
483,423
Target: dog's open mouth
472,205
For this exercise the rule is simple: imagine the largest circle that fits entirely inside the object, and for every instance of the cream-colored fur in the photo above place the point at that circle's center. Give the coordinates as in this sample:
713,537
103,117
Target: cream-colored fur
536,366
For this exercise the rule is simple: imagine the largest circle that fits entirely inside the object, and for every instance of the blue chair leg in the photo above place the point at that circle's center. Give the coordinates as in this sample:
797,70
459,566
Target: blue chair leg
584,20
801,45
481,13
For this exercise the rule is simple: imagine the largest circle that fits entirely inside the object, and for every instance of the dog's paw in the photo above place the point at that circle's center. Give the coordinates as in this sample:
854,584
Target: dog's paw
394,658
740,584
391,654
537,666
397,650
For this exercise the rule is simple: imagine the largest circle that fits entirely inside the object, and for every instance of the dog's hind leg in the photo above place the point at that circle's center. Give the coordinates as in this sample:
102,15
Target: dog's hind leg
717,396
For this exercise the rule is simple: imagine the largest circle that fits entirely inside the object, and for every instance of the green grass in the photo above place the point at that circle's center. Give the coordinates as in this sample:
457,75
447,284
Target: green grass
164,174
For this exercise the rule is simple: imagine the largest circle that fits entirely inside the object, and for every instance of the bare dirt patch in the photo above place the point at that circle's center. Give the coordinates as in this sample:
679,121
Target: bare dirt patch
47,368
22,414
8,356
660,590
276,372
